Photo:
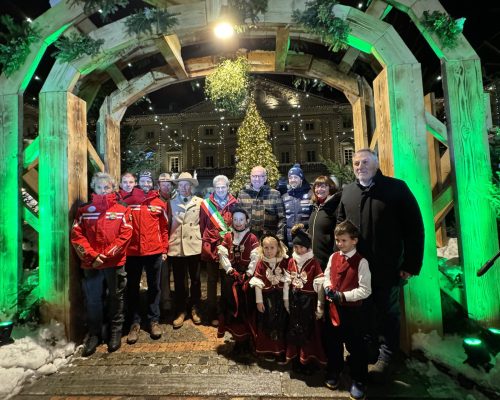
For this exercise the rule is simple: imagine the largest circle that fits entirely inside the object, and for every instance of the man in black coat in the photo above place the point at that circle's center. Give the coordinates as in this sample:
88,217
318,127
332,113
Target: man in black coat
392,240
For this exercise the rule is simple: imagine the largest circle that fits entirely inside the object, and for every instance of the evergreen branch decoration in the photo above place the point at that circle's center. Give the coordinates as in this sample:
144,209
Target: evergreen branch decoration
75,46
107,7
244,10
144,20
307,82
344,173
227,87
318,18
18,38
444,27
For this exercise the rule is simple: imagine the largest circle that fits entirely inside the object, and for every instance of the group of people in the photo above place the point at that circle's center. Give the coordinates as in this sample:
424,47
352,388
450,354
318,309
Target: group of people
351,250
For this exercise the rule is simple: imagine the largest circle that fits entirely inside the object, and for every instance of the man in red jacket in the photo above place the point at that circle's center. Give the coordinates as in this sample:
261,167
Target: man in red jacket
100,235
148,248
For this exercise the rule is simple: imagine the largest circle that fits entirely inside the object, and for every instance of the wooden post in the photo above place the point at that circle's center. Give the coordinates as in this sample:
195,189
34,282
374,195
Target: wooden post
63,173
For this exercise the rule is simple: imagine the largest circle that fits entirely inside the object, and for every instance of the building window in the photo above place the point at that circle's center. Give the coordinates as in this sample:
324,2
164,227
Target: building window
209,131
284,127
309,126
174,164
233,130
209,161
311,156
285,157
347,121
348,153
150,135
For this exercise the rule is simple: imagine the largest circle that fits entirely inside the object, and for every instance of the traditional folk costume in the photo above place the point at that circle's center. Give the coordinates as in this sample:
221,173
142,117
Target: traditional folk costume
305,299
270,329
237,256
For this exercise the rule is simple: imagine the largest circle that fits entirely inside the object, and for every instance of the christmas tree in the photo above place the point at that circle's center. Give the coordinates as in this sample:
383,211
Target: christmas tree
254,148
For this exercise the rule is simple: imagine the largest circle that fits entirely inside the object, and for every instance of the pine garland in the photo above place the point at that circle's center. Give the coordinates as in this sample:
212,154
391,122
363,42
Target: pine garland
344,173
75,46
107,7
244,10
254,148
318,18
227,87
444,27
18,38
144,20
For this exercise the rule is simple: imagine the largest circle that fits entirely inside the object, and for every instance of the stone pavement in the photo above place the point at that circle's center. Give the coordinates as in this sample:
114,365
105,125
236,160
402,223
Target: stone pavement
191,363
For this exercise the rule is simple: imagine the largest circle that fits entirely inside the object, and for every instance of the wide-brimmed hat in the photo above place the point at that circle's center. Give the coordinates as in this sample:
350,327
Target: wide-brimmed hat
186,176
165,177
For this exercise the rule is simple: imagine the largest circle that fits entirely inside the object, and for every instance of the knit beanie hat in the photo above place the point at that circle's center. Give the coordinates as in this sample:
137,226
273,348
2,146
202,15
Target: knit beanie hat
146,174
297,171
300,237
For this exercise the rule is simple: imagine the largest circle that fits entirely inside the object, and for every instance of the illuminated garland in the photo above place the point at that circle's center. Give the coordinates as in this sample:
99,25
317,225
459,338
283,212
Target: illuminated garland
227,87
444,27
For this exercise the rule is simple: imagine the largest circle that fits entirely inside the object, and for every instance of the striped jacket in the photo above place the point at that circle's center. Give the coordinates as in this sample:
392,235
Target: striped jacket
265,208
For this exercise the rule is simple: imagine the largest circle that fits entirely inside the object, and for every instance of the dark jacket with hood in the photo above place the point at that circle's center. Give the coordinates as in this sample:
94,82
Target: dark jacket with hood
322,223
391,227
298,207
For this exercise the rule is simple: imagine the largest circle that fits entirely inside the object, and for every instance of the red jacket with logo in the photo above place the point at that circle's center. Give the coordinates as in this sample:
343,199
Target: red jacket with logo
150,222
102,226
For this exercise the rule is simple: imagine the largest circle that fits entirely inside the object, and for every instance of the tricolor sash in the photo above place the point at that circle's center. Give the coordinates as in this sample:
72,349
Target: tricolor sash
215,216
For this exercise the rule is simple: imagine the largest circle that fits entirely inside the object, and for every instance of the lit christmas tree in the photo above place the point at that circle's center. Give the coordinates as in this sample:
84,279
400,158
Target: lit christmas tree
254,148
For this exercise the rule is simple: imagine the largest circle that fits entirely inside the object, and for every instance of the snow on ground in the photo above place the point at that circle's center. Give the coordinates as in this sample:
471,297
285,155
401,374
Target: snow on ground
36,353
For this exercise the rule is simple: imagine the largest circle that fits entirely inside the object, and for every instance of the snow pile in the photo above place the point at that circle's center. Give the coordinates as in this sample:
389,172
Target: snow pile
38,353
450,250
448,351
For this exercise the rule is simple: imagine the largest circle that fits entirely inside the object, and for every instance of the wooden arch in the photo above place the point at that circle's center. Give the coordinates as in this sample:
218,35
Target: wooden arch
400,119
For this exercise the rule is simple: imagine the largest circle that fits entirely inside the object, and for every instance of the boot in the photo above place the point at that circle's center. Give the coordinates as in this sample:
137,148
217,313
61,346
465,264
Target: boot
195,316
90,345
179,321
380,371
155,330
133,335
115,340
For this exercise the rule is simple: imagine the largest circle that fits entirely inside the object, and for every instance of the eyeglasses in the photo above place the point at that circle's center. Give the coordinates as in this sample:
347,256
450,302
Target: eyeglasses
259,176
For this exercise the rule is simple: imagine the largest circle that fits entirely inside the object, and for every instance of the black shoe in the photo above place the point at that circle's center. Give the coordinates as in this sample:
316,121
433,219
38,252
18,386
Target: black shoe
332,381
357,391
115,342
90,345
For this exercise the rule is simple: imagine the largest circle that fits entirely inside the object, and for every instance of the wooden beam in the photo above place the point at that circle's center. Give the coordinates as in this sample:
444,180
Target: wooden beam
436,128
94,158
170,48
116,74
31,153
442,201
31,219
89,91
282,45
31,179
359,124
327,71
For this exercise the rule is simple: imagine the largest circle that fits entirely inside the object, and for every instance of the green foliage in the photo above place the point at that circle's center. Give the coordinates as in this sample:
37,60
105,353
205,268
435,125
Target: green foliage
143,21
307,83
243,10
133,159
75,46
318,18
344,173
227,87
28,308
107,7
444,27
254,149
17,40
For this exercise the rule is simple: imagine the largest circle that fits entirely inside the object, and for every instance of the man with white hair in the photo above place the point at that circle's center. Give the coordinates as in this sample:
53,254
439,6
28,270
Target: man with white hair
391,239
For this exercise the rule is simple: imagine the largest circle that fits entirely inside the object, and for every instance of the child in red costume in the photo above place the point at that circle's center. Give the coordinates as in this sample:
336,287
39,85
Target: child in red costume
304,301
268,281
237,256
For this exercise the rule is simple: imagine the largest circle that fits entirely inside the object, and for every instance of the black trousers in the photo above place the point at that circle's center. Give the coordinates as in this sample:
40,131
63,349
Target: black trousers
182,266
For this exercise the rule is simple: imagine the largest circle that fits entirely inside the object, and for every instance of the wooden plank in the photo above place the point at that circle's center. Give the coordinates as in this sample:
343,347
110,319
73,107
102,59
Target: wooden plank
282,46
170,48
11,161
328,72
94,158
63,143
359,123
31,179
117,75
88,91
30,218
436,128
476,222
442,200
298,62
30,153
112,156
261,61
